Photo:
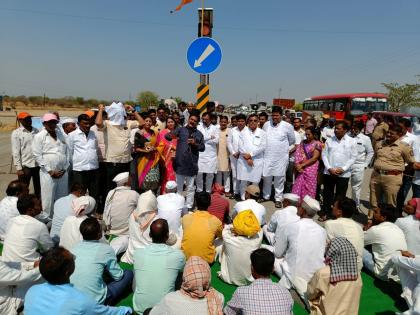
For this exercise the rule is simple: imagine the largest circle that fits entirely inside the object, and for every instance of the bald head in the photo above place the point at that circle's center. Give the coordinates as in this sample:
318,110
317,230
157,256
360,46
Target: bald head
159,231
17,188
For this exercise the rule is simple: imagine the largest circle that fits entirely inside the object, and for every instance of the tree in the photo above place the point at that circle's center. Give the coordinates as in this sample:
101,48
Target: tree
400,95
298,107
177,99
147,99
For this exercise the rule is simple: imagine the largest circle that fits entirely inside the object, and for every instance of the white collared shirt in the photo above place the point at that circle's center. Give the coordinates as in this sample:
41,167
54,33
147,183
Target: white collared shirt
327,132
339,154
344,227
386,239
364,150
8,210
51,154
22,147
23,237
233,140
411,229
83,150
409,138
171,207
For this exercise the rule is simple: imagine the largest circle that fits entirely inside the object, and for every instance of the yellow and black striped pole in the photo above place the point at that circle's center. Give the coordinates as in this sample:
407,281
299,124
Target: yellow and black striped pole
203,94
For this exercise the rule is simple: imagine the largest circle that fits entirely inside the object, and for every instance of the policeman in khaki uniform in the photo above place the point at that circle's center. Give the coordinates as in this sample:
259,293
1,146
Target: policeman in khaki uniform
391,157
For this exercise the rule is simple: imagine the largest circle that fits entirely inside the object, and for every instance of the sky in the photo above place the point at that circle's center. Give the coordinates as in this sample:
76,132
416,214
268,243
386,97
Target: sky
296,49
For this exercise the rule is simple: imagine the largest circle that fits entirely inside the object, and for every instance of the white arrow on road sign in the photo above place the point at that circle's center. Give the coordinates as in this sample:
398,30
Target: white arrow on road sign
207,52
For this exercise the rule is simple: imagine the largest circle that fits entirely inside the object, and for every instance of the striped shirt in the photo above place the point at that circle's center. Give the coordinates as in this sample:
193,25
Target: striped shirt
219,207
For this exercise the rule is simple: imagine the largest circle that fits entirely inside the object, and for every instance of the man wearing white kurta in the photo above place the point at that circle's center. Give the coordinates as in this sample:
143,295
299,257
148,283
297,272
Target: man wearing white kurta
300,249
15,280
282,217
252,143
280,136
51,154
171,207
207,160
364,157
233,147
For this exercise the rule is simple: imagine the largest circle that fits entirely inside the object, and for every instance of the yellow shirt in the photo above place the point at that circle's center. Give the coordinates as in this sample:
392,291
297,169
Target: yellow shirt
200,229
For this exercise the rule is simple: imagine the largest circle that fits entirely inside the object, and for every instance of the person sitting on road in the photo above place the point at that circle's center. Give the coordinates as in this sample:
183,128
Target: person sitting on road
252,195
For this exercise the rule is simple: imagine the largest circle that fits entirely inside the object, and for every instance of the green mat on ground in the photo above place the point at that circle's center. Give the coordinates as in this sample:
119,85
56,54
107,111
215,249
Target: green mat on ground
378,297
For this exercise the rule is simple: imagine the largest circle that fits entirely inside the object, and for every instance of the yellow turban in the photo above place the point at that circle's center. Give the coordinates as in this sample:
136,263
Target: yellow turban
246,223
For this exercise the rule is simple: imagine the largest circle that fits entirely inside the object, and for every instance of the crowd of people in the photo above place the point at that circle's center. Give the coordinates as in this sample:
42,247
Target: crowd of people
152,190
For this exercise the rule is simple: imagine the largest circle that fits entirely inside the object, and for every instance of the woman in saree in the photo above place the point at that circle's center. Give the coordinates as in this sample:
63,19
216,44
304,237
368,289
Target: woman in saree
167,150
146,157
307,157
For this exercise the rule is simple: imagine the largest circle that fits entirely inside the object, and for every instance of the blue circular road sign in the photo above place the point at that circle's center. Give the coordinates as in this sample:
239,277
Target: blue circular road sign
204,55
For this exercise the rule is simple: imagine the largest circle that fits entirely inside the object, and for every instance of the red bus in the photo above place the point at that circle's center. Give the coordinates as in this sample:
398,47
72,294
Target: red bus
338,105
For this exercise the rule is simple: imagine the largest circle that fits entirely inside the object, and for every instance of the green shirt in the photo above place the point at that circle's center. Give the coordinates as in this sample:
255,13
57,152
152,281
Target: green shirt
156,268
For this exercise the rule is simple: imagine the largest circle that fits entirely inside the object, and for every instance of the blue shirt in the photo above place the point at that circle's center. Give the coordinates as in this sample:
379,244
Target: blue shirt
156,268
92,259
186,157
48,299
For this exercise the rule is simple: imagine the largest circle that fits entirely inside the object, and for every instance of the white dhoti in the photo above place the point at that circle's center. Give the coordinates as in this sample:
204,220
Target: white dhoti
356,181
51,190
278,182
120,244
235,182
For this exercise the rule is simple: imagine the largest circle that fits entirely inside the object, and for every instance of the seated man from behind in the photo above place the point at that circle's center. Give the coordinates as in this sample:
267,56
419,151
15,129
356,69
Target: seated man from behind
58,296
219,206
139,225
262,296
344,226
282,217
15,280
171,207
25,235
200,230
386,239
336,288
8,208
252,195
119,205
239,241
156,268
410,225
300,248
93,260
63,209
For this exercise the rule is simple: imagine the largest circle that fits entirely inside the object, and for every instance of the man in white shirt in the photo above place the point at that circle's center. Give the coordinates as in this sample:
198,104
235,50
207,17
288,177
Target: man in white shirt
252,144
299,137
119,205
386,239
282,217
411,140
171,207
252,194
15,280
328,131
26,235
344,226
280,136
364,157
339,155
23,157
370,125
51,153
117,138
410,225
300,249
83,153
63,209
207,160
233,147
8,207
408,266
